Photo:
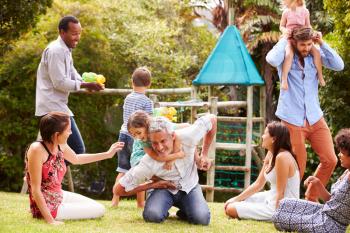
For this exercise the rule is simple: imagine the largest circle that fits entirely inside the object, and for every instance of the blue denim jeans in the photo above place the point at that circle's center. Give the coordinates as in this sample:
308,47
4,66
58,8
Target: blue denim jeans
192,206
75,141
125,153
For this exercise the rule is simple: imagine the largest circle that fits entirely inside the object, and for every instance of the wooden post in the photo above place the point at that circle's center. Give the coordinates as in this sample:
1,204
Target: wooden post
24,186
154,99
70,179
262,109
211,154
229,7
210,92
193,109
249,134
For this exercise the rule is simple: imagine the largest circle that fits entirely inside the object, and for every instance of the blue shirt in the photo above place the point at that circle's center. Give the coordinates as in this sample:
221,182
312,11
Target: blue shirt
300,102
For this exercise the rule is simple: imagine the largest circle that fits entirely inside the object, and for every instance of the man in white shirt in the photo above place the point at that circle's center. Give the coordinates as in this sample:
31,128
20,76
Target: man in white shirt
57,77
179,186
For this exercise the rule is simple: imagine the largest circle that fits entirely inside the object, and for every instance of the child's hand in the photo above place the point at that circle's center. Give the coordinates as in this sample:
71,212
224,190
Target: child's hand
180,155
284,85
317,38
169,165
115,147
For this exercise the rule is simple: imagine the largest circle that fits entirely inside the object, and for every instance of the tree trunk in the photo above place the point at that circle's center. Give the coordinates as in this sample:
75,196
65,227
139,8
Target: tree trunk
269,76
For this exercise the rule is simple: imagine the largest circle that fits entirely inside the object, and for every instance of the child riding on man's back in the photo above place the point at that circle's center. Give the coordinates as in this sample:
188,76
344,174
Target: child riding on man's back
295,14
138,125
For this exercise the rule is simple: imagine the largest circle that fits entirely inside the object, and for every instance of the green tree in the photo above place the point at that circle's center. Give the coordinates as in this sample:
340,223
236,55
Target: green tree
17,17
320,18
335,97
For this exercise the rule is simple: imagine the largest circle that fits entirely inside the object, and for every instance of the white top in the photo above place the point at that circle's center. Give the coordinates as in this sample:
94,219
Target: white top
56,78
183,173
262,205
292,186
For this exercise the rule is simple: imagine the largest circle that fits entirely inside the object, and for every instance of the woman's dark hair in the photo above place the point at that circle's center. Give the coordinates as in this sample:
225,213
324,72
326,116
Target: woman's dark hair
52,123
64,22
282,140
139,119
342,140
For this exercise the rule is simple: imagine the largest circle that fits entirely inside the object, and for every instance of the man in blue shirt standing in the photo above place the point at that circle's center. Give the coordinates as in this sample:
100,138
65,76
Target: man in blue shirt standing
299,107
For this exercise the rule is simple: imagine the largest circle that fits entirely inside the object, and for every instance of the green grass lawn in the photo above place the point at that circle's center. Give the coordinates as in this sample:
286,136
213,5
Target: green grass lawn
15,217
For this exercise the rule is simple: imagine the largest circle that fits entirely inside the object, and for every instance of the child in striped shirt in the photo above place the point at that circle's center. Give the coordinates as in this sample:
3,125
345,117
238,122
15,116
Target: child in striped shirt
136,100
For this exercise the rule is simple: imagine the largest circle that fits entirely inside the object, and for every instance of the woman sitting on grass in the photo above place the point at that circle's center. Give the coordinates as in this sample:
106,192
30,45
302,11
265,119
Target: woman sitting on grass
334,215
45,169
280,169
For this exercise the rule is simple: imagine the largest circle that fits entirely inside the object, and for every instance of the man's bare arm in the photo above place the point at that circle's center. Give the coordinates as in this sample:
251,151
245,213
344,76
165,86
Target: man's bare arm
161,184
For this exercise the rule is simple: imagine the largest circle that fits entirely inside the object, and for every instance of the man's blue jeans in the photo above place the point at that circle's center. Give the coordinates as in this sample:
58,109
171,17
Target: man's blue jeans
75,141
192,206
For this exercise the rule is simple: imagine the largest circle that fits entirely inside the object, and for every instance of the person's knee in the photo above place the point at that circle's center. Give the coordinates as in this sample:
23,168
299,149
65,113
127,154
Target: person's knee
152,215
200,217
231,211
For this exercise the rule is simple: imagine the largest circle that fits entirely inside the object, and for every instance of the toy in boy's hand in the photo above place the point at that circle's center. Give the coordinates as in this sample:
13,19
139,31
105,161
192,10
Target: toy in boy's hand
169,113
90,77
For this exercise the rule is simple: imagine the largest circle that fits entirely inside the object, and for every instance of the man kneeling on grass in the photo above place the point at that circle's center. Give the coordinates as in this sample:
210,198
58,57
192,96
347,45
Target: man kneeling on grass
176,187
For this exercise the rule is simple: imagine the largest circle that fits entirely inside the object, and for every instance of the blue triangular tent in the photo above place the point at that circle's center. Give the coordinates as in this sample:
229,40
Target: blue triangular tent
229,63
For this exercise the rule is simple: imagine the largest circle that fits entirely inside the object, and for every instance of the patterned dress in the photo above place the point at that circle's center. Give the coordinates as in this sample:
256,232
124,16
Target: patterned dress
305,216
53,171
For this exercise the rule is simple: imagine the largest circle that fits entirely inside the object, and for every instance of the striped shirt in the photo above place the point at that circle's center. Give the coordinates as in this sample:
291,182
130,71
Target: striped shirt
133,102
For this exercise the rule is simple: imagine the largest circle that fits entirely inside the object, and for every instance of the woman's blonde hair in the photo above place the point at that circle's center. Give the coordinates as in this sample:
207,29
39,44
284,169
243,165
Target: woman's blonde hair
297,2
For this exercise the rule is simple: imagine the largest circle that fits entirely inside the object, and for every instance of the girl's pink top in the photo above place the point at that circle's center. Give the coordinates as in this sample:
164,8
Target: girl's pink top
297,17
53,171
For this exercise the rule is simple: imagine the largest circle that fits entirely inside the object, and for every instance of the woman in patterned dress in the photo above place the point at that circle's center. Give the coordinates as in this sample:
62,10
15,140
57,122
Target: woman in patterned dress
45,169
334,215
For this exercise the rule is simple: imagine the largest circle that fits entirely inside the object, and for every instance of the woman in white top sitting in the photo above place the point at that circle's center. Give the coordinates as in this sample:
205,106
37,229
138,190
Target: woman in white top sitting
280,169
